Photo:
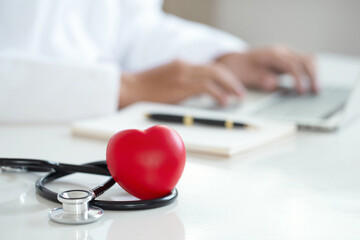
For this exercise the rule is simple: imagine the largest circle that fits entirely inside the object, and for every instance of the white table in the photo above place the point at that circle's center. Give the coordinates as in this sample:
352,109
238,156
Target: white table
305,187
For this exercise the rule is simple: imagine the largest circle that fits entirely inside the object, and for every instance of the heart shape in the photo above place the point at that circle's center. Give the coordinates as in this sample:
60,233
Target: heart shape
147,164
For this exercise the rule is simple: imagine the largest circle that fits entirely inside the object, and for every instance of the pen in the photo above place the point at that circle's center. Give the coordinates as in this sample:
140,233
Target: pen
190,120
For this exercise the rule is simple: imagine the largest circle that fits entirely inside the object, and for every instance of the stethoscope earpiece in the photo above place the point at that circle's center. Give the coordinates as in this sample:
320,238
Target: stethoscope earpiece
75,208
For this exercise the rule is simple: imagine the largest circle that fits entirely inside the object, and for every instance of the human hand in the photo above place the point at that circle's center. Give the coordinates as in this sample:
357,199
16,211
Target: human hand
260,68
176,81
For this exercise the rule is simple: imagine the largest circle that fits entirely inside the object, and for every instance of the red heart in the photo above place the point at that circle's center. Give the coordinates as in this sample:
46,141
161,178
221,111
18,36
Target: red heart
147,164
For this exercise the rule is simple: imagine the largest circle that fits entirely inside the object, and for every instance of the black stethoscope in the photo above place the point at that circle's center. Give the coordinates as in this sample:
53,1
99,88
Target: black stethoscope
75,203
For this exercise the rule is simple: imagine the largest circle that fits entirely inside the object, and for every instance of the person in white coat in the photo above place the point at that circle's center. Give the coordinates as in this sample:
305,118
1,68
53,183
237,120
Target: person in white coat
62,60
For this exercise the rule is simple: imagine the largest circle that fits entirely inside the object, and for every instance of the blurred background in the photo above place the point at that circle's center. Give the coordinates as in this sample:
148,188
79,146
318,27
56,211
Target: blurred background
308,25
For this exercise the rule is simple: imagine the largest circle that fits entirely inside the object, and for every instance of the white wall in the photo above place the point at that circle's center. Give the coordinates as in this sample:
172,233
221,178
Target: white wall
310,25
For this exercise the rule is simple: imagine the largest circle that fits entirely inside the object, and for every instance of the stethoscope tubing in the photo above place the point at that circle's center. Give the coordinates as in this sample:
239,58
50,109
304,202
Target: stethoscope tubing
59,170
36,165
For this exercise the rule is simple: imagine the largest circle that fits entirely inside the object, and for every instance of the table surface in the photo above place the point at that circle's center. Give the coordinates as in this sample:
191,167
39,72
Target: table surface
304,187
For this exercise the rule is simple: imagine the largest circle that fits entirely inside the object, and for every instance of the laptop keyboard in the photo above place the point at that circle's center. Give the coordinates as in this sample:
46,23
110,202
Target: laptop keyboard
323,105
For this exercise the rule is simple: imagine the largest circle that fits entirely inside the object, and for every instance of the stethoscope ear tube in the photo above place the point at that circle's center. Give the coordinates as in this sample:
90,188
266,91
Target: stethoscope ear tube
136,205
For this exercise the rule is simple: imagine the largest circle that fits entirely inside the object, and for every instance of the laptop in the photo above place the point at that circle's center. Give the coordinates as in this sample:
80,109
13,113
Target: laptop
326,111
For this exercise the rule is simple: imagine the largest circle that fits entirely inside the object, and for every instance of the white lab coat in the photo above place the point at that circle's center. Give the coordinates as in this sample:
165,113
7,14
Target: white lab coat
62,60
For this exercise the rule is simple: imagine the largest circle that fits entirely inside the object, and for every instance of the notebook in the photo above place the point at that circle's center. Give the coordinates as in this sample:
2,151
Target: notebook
197,138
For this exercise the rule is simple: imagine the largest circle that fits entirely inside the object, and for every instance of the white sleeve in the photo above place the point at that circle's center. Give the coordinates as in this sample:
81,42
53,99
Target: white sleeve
152,37
36,90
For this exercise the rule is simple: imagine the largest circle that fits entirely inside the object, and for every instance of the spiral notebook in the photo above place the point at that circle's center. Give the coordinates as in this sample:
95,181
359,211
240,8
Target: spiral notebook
197,138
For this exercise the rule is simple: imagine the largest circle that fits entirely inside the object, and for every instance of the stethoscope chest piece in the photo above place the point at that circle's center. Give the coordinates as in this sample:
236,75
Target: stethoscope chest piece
75,208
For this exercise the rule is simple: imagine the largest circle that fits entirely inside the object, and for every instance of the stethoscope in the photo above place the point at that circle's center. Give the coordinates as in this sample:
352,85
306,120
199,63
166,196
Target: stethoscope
78,206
